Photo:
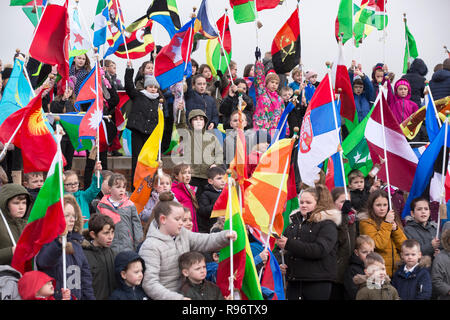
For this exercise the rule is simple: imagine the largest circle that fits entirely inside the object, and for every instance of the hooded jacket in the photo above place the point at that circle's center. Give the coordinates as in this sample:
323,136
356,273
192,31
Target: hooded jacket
206,203
440,84
9,278
402,108
16,225
31,282
416,78
123,290
421,233
162,278
182,195
201,148
386,292
311,247
417,285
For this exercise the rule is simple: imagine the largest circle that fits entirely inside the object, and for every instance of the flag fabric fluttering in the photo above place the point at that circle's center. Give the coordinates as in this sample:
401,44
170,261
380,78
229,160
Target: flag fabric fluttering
203,22
245,278
344,21
319,136
431,118
401,159
286,47
410,48
243,10
214,58
147,164
46,220
371,15
100,23
33,9
173,62
165,12
79,38
115,26
139,42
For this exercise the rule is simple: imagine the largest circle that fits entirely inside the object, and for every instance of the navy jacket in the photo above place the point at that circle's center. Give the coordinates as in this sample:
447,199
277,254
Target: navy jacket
440,84
416,286
364,101
205,102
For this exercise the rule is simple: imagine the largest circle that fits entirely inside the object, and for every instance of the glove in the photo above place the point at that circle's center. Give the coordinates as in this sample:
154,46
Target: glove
219,73
217,84
257,53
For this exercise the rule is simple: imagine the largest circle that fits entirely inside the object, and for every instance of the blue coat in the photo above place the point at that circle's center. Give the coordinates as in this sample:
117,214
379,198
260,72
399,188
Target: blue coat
440,84
417,286
364,101
205,102
78,273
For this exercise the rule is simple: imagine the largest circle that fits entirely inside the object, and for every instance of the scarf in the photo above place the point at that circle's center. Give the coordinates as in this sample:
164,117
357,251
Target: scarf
151,96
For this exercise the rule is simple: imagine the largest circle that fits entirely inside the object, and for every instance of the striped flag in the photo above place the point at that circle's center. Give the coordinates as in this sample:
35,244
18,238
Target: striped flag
214,58
115,26
100,23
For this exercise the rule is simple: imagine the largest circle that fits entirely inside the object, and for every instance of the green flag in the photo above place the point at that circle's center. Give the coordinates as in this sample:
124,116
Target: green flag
344,23
410,48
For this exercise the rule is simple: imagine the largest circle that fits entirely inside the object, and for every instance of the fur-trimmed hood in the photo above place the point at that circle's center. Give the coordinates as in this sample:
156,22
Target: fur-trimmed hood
332,214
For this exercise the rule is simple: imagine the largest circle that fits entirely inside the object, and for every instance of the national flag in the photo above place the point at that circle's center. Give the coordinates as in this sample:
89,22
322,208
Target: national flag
79,38
425,167
280,132
173,62
46,220
360,30
32,135
100,23
401,159
245,278
115,26
266,196
292,202
174,144
17,92
373,13
33,14
319,134
29,3
333,172
214,54
165,12
203,22
266,4
410,48
139,42
147,164
286,45
431,118
51,40
344,21
343,86
243,10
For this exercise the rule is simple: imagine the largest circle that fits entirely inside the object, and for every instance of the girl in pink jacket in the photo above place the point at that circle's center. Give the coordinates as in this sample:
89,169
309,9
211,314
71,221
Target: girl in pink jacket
400,102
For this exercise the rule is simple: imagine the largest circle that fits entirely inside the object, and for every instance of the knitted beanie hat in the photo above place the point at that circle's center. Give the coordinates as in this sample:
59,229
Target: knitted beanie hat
309,74
150,81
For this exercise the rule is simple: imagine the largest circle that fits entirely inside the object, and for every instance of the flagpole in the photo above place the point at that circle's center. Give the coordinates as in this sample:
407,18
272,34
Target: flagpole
407,41
78,8
385,148
223,32
224,52
8,229
231,278
5,147
337,130
122,26
445,151
98,112
37,12
384,31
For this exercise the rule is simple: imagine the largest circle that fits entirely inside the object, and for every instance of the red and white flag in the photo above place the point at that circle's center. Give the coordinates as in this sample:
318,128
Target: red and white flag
401,159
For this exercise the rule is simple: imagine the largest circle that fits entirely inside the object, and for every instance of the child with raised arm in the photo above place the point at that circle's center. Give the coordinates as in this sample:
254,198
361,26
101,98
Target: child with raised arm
128,228
166,240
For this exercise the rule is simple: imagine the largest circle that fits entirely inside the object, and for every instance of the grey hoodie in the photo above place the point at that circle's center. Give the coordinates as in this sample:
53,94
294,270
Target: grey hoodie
423,234
8,283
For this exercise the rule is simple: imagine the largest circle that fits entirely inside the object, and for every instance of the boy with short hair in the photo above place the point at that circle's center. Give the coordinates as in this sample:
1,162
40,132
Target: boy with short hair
413,280
440,271
363,92
129,268
363,246
33,182
375,284
216,183
193,267
359,190
97,249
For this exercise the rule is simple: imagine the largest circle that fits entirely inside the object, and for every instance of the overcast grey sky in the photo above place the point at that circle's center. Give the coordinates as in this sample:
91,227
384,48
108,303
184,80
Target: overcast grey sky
427,20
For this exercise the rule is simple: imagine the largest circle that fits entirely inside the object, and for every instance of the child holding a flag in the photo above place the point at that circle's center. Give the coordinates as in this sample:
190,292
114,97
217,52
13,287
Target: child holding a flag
80,68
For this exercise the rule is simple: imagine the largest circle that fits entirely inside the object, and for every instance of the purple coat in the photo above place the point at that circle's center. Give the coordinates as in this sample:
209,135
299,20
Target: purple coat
182,195
402,108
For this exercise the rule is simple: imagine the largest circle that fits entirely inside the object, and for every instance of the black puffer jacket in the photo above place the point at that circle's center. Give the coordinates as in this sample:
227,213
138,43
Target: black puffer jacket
355,266
206,202
143,116
440,84
416,78
311,248
230,104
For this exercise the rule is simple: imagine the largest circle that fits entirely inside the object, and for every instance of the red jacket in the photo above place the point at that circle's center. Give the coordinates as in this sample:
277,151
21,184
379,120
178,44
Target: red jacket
31,282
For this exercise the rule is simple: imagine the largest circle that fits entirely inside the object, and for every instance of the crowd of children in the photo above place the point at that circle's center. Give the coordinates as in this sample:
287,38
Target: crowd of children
338,245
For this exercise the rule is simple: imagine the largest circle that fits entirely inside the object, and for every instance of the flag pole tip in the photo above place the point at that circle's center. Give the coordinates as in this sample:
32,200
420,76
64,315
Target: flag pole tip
161,100
259,24
339,90
296,129
296,92
328,64
229,172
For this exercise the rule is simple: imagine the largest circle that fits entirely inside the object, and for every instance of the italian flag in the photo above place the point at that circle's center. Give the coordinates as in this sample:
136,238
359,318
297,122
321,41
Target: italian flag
245,277
46,219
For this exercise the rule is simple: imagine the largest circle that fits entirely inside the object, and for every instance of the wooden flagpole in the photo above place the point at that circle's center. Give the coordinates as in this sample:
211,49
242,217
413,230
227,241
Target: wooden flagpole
122,27
385,147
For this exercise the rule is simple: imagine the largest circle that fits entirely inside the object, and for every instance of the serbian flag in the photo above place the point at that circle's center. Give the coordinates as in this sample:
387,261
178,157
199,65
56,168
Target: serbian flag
34,136
173,62
94,115
401,159
286,45
51,40
46,220
319,134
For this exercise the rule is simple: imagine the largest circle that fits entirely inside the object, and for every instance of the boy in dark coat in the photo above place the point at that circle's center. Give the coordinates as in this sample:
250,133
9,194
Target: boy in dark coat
129,268
440,81
416,78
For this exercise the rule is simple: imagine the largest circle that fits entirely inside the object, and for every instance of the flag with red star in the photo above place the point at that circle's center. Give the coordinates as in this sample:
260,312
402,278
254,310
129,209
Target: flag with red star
79,38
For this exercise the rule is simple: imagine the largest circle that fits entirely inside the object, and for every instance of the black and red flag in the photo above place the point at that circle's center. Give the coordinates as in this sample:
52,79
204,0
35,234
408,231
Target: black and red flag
286,45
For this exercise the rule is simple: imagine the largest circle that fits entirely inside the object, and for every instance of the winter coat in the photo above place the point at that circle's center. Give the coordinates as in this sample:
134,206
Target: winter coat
402,108
355,266
128,231
30,284
416,78
269,105
85,197
183,197
80,75
143,116
16,225
423,234
101,264
388,243
440,273
364,101
200,148
440,84
162,278
230,104
8,283
151,203
295,117
206,203
203,291
386,292
359,198
311,247
204,102
417,285
346,243
123,290
78,273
